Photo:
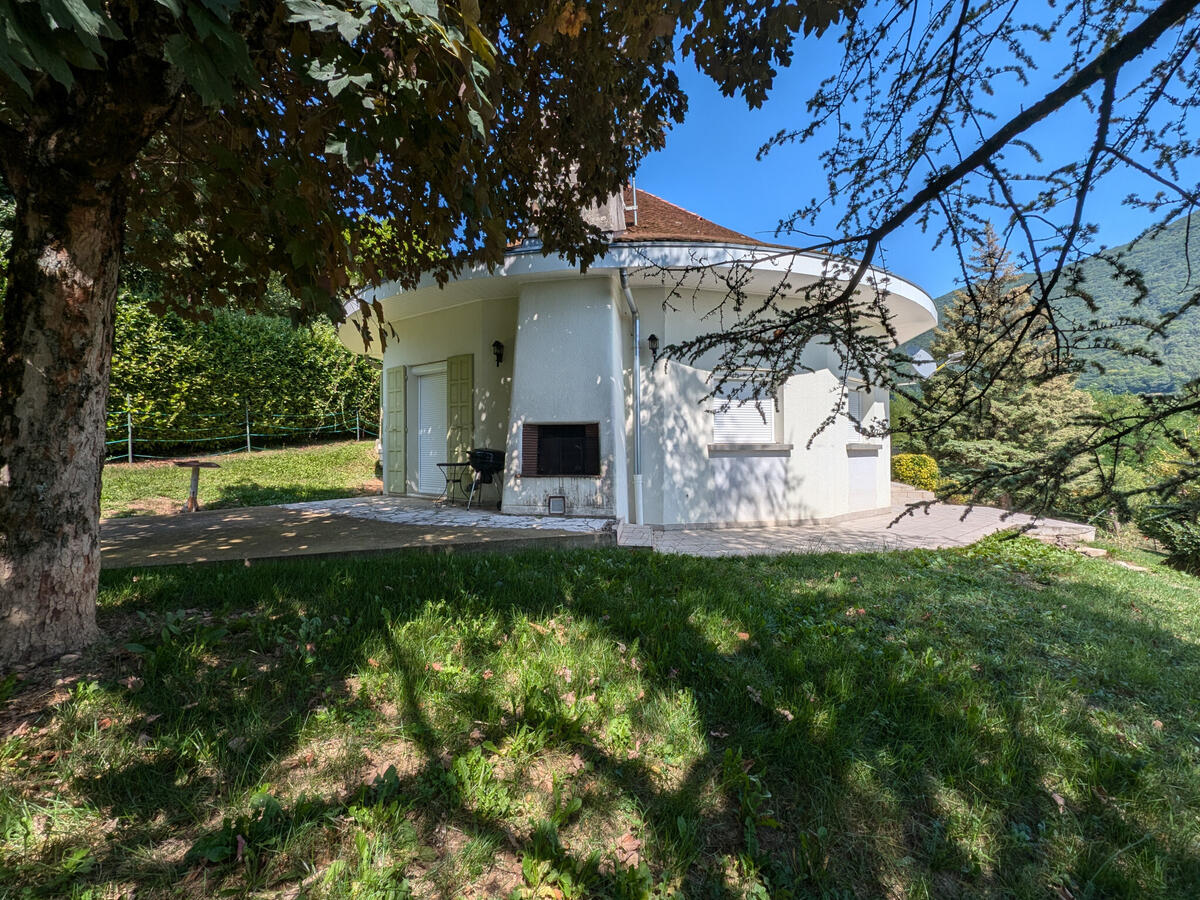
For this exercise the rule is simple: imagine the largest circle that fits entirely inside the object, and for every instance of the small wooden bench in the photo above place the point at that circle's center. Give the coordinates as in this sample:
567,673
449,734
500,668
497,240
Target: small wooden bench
193,502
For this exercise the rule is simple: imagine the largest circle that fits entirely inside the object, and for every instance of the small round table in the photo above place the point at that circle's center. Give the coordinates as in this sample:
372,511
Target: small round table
193,502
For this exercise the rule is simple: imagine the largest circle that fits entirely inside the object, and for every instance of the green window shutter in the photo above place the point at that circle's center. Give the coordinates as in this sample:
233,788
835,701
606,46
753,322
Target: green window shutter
460,407
396,439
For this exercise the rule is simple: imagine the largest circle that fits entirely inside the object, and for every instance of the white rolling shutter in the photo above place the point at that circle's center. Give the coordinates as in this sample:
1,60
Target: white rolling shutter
431,433
747,423
854,411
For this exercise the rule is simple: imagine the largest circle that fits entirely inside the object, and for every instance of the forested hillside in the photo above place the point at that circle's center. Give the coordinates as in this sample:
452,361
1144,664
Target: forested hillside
1163,262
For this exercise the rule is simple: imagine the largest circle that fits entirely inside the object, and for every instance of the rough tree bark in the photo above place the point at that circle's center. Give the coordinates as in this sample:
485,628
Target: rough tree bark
56,339
68,165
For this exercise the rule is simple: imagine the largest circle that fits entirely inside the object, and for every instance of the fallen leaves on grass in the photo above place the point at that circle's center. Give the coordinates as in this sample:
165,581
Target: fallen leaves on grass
628,850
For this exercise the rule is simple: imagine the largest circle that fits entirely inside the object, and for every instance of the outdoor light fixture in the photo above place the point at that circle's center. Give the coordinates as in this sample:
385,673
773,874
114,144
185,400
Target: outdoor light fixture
498,351
653,342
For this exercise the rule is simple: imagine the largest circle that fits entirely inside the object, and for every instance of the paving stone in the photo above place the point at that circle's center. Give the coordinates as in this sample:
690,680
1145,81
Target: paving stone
416,511
939,526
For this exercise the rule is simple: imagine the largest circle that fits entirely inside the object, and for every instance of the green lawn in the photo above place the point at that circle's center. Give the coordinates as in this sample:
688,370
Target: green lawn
318,472
1007,720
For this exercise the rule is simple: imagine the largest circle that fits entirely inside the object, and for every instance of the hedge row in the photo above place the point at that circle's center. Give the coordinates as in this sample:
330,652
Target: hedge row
192,382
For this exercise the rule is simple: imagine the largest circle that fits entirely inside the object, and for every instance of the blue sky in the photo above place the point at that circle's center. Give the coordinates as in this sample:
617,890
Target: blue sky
709,167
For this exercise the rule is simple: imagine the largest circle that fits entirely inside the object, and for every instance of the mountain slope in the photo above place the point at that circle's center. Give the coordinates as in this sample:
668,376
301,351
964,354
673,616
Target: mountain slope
1163,262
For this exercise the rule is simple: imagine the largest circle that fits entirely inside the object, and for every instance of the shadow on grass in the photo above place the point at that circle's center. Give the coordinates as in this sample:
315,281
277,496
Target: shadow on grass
880,725
251,493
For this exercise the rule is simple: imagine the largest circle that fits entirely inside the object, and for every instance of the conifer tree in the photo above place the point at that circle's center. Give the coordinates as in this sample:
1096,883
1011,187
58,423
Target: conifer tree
1006,392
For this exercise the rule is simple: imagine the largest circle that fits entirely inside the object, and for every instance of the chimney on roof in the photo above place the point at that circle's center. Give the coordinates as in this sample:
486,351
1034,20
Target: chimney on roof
608,216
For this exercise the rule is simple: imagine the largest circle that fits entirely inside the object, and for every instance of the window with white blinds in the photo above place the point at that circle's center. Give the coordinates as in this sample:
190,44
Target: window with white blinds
738,419
858,407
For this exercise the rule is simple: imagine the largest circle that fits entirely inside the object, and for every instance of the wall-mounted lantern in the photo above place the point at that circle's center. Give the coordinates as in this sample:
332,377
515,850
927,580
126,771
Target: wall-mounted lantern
653,342
498,351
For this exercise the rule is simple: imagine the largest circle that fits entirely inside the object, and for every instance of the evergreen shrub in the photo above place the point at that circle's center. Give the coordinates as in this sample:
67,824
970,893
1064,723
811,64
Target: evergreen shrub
916,469
193,382
1177,528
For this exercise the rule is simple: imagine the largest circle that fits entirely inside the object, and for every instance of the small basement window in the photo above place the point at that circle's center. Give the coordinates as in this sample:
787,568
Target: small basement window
554,449
738,419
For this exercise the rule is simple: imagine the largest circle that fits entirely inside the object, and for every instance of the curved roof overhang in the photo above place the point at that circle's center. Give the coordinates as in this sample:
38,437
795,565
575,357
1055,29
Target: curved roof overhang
912,310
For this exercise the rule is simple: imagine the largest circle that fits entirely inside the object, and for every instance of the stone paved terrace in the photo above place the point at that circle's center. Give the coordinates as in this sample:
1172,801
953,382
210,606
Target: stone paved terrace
936,527
417,511
367,525
333,528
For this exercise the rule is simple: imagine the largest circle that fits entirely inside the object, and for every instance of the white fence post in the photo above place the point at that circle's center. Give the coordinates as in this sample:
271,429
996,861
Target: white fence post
129,425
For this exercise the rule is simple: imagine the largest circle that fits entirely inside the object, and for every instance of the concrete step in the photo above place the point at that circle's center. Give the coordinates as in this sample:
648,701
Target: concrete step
1056,531
634,535
903,494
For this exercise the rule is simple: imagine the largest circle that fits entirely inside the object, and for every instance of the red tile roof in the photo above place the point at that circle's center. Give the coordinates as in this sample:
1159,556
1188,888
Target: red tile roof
660,220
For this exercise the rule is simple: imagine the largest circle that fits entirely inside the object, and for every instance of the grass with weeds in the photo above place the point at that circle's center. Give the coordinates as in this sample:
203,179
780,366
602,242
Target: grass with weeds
1006,720
260,478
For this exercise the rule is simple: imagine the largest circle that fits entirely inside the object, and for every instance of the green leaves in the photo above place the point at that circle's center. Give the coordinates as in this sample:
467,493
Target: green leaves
58,37
272,130
211,55
51,38
321,16
194,379
199,69
80,17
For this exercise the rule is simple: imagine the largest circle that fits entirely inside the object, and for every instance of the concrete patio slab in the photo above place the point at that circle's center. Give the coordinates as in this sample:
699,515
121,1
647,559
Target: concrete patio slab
437,514
369,525
938,526
290,532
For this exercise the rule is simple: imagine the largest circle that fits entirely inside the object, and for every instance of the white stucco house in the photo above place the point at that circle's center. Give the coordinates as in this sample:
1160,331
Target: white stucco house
554,367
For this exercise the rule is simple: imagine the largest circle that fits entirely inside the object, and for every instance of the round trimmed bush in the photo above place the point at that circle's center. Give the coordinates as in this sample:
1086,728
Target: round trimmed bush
916,469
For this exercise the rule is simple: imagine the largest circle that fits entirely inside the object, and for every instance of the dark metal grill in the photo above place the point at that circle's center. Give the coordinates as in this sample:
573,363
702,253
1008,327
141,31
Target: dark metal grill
486,462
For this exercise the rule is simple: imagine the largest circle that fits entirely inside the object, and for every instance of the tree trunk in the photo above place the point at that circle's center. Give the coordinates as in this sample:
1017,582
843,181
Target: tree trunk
56,335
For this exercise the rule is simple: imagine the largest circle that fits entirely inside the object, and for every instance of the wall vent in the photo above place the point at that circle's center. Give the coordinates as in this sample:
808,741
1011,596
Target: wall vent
556,505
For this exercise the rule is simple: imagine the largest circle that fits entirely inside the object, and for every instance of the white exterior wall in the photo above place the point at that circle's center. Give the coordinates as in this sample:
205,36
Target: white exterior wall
568,359
567,370
686,483
434,337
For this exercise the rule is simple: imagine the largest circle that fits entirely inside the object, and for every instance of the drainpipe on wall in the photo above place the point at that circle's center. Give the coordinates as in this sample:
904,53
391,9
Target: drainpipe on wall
638,517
